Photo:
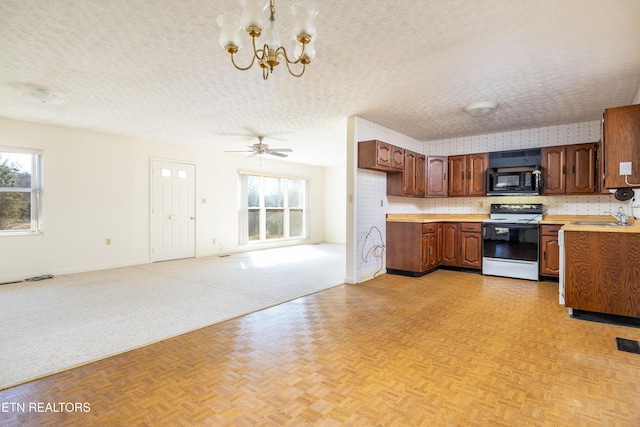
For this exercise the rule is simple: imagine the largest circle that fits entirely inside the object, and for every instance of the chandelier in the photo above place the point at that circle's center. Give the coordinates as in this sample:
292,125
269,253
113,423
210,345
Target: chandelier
253,22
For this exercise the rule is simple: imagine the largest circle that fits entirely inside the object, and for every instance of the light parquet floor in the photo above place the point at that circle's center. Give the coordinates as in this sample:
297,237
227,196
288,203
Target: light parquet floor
449,348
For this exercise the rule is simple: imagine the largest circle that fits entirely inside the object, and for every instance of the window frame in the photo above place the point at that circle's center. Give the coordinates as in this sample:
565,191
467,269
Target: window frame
262,209
35,190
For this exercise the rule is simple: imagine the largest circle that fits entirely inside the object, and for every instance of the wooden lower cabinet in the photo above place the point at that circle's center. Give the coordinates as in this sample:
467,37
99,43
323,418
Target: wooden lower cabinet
602,272
450,247
549,251
411,247
417,248
471,245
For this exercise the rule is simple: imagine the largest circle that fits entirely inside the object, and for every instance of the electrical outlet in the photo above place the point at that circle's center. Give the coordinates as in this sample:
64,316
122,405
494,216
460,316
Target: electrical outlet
108,242
214,241
625,168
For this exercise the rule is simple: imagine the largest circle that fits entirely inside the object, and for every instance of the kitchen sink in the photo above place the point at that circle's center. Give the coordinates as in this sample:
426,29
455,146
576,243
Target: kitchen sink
614,224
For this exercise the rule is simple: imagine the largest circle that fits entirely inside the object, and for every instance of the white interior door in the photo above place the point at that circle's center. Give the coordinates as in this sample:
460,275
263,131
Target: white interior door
173,219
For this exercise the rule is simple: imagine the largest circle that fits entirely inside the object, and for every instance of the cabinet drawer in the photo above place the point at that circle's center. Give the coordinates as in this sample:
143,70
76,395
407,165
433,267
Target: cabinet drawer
429,228
471,226
550,230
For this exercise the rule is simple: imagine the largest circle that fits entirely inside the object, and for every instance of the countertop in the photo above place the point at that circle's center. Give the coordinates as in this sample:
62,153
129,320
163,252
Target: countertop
564,220
426,218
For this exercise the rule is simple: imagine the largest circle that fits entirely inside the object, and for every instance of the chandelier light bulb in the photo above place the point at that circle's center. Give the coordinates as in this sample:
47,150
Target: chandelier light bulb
304,18
231,33
253,13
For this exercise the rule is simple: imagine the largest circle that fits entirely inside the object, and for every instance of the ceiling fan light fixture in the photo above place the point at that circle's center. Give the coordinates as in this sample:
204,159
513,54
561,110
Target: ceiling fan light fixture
481,109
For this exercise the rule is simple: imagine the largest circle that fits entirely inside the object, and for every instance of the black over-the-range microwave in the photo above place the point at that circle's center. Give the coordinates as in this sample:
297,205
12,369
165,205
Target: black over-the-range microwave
514,172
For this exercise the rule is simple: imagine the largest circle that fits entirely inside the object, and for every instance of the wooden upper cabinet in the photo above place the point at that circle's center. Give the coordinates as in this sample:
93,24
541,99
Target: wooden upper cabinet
569,169
621,143
553,170
468,175
421,175
477,174
380,156
437,167
397,158
581,168
457,176
411,181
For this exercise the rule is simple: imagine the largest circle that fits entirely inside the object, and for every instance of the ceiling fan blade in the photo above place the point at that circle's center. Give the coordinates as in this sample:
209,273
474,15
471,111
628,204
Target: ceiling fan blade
282,150
252,154
275,153
238,151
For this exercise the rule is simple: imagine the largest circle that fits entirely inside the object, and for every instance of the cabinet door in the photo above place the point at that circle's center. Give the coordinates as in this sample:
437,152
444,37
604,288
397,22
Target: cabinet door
383,154
397,158
421,179
553,170
477,174
471,249
437,167
409,174
450,248
439,244
457,176
550,256
621,143
429,248
581,168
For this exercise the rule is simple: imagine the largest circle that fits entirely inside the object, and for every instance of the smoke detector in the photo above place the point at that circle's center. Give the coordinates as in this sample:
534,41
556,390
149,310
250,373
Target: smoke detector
43,96
481,109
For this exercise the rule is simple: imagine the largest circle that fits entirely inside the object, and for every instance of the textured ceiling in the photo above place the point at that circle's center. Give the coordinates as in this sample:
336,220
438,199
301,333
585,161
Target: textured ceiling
153,69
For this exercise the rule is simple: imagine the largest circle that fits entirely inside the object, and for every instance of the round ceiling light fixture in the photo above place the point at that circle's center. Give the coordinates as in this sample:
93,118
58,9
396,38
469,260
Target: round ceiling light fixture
43,96
481,109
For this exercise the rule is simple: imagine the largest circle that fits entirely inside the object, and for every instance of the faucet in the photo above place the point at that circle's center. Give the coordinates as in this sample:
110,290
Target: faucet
620,216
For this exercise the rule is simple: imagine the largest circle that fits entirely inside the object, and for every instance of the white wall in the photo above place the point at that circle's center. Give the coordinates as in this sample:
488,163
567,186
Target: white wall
335,204
372,203
96,186
636,100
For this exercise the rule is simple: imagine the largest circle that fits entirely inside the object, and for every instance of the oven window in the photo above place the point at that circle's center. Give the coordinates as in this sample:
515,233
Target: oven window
511,242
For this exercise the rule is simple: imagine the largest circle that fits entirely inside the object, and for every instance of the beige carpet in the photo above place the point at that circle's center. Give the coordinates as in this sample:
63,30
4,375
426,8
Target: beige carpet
59,323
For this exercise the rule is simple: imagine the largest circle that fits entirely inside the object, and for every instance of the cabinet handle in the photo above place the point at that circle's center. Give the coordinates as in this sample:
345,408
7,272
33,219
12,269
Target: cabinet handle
544,255
564,170
463,176
445,176
573,169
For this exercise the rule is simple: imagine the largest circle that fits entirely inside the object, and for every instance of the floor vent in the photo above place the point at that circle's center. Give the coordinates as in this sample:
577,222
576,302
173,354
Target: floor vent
630,346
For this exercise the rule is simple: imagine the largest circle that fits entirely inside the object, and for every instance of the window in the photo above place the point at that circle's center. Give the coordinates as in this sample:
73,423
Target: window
275,208
20,190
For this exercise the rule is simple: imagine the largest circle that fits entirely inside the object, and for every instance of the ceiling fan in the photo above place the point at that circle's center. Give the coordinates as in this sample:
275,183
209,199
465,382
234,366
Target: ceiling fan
262,148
